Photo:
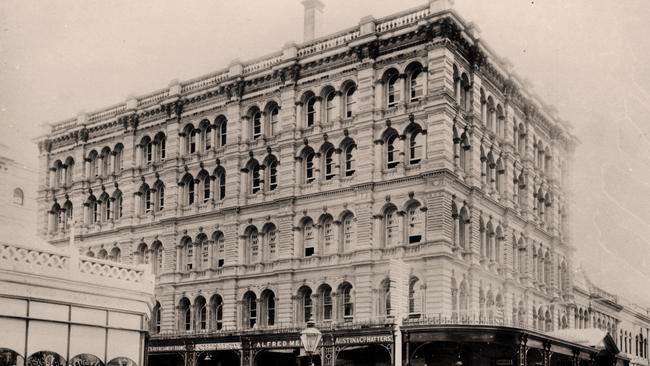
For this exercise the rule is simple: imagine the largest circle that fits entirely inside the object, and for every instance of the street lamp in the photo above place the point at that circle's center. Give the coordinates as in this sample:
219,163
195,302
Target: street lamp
310,338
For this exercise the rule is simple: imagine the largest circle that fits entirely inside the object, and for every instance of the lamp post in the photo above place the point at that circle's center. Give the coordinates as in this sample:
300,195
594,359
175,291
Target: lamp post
310,338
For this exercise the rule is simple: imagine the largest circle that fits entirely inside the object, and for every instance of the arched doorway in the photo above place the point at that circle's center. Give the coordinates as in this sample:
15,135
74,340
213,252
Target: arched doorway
372,355
10,357
218,358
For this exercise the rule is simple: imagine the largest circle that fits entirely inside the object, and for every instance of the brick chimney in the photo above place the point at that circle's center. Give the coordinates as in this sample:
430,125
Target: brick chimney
313,19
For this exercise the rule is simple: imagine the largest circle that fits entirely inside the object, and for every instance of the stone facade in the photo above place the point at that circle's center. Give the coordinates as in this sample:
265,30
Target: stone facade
390,173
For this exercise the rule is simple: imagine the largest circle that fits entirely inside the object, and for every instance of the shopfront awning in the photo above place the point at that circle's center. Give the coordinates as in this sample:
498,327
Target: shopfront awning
592,337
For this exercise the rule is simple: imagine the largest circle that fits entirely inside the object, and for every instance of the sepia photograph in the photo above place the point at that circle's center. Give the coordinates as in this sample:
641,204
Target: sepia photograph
324,183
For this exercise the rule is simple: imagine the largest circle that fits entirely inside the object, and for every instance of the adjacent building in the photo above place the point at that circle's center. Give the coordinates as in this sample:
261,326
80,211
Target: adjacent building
56,306
395,182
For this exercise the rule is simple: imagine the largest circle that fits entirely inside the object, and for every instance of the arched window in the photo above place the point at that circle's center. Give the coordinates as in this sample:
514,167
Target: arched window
384,297
206,133
219,259
256,181
106,162
155,321
268,304
216,309
415,223
142,255
157,257
185,315
250,309
188,254
274,113
160,196
392,89
309,173
256,124
329,162
416,83
331,110
327,233
67,207
161,142
203,246
69,170
118,158
188,187
147,199
348,159
148,150
270,233
253,245
192,144
308,237
391,225
93,164
222,130
392,150
19,196
201,313
205,180
310,116
347,305
350,101
117,204
415,297
115,254
305,301
416,147
272,169
464,234
326,304
220,183
349,231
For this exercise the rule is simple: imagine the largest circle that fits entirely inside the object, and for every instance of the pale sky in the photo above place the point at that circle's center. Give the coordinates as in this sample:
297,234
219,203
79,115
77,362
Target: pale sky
587,57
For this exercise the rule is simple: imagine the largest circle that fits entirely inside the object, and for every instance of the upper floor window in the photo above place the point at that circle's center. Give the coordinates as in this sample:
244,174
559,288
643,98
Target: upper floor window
348,159
206,133
345,293
416,83
349,231
392,151
309,172
220,192
184,315
350,101
274,113
118,157
222,130
392,88
330,106
19,196
273,174
416,146
391,225
257,128
329,163
415,223
192,144
250,311
256,180
310,112
308,237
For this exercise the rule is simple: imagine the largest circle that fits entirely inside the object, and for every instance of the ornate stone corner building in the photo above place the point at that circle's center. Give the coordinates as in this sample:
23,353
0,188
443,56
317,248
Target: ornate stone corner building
395,182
